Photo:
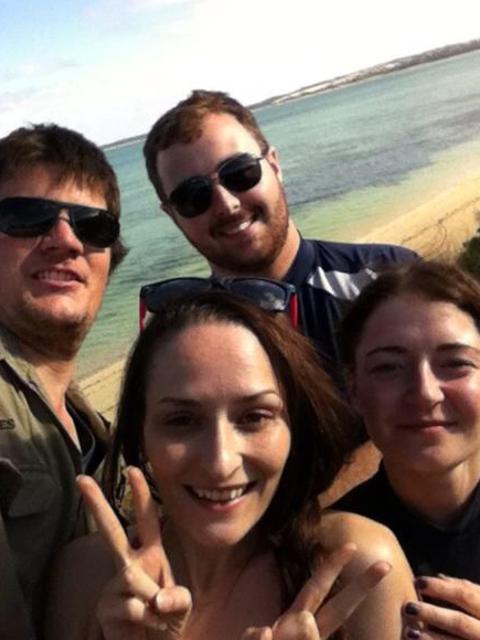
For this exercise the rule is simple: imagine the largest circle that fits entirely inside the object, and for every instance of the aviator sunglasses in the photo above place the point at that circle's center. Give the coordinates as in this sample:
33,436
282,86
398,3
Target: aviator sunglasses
31,217
270,295
238,174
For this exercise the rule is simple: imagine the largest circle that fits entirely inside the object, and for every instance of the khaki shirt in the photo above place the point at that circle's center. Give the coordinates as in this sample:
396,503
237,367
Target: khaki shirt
40,509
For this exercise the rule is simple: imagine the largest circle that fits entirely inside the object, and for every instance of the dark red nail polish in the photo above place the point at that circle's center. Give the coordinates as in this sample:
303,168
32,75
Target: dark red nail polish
420,583
411,609
413,634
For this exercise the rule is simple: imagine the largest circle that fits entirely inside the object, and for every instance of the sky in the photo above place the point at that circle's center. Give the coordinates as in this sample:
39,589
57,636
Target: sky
110,68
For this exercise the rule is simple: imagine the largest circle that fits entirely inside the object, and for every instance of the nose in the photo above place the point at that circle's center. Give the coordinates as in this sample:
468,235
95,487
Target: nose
425,386
221,451
62,237
224,202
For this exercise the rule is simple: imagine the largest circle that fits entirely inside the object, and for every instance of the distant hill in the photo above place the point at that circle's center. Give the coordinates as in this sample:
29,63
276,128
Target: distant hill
356,76
380,69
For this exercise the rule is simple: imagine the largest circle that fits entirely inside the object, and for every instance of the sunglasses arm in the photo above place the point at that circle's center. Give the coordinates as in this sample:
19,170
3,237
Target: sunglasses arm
293,310
142,312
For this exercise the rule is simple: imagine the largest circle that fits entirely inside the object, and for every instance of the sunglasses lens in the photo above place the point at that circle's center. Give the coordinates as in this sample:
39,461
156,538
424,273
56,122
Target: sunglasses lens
241,174
95,227
25,218
159,293
192,197
32,217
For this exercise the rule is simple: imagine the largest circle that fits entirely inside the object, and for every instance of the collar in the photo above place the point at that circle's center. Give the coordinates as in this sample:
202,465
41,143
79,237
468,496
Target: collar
11,354
302,264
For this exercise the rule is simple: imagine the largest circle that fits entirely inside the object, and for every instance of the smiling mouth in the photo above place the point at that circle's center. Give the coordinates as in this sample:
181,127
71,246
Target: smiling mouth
428,424
223,495
58,275
232,228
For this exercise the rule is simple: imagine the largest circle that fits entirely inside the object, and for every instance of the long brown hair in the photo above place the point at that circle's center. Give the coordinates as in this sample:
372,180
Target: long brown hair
318,419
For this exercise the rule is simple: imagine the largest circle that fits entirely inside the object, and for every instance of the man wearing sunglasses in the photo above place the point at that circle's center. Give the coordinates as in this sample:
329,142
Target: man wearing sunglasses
59,241
220,181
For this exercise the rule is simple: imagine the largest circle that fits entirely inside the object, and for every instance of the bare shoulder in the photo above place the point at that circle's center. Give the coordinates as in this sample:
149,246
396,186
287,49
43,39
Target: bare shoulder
79,574
380,613
374,540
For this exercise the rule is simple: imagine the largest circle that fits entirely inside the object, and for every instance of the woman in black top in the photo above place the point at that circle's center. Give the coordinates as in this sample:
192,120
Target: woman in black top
411,344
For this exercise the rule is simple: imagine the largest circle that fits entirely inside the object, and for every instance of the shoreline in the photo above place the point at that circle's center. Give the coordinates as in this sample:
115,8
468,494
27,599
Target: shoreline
436,228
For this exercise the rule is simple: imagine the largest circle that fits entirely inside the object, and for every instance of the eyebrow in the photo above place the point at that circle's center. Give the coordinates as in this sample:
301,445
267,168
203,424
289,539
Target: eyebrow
394,349
241,399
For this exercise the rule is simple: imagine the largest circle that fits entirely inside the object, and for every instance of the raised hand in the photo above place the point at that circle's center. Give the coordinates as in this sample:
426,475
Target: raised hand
447,623
307,619
142,602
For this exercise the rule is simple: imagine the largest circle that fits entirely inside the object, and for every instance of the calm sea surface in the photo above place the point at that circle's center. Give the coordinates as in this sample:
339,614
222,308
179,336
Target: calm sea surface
352,159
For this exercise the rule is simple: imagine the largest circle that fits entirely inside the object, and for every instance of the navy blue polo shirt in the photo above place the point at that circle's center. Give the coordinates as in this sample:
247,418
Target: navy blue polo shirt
327,276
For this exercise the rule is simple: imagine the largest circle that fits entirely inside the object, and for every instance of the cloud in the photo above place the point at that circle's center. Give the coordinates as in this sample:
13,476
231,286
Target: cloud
37,69
107,8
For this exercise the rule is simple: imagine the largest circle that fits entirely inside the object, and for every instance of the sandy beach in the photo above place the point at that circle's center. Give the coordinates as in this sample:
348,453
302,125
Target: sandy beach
435,228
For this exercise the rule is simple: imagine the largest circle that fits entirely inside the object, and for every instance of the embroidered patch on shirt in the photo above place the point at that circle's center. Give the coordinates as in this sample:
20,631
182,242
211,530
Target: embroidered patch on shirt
7,423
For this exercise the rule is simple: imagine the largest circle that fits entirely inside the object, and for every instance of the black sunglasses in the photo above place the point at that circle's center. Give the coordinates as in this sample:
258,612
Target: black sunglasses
194,196
31,217
270,295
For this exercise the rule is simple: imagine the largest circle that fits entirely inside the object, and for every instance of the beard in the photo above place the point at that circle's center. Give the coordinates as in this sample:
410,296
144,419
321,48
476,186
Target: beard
259,259
55,339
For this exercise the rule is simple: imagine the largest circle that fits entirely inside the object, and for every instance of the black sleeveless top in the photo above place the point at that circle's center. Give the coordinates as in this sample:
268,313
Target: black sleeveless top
453,550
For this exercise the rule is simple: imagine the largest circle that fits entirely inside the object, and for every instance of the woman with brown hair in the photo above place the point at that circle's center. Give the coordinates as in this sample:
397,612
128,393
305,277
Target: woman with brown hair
227,415
411,344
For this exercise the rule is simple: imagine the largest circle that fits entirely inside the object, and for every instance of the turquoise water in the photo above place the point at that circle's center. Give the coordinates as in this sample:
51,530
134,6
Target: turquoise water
352,158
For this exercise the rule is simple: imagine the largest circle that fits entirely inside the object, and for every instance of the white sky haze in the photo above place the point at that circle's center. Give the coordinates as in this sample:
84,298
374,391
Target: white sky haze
109,68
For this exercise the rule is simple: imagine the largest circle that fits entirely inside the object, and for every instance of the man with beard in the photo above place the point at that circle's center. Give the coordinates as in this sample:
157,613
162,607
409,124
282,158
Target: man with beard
220,181
59,241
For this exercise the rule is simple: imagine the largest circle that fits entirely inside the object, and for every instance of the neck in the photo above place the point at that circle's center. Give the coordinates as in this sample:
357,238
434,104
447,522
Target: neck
209,573
282,263
443,495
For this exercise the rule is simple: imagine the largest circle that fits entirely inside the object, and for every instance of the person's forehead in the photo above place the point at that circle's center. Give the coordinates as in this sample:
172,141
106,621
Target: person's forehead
417,321
222,136
46,181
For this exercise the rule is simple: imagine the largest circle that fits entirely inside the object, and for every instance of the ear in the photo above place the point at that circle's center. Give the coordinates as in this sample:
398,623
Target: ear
273,161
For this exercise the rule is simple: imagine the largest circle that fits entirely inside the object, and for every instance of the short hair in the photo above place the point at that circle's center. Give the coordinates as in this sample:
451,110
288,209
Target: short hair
183,122
71,155
429,279
319,420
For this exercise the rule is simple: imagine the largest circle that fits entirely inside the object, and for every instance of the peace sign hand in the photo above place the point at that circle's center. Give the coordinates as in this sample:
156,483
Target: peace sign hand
307,619
142,602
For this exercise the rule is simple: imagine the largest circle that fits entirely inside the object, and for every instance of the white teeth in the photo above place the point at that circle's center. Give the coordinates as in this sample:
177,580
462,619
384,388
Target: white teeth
219,495
237,228
65,276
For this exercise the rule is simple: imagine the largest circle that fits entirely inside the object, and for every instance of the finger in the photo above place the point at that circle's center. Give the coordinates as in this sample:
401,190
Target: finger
318,586
173,600
412,633
107,522
300,625
448,621
147,521
130,610
255,633
462,593
340,607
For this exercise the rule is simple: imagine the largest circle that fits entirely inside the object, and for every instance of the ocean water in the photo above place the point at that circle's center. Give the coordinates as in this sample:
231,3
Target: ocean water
352,159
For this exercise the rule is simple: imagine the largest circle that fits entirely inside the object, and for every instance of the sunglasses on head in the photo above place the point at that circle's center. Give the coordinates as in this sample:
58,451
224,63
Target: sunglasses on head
270,295
31,217
238,174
